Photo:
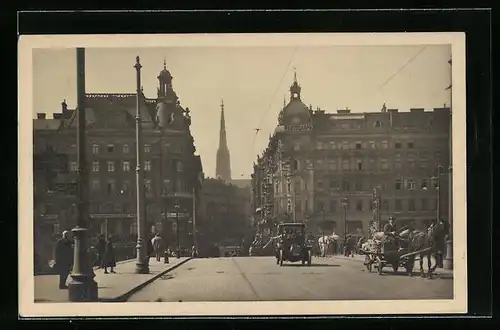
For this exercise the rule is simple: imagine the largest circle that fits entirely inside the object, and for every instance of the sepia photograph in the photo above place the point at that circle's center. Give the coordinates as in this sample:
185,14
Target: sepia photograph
242,174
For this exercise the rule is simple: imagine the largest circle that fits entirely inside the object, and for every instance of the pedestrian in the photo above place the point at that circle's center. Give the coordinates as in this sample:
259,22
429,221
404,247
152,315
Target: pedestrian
109,260
63,258
194,251
149,249
100,247
157,243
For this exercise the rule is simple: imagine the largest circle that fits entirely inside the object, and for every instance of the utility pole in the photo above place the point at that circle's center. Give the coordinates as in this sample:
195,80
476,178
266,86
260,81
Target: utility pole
177,208
142,266
448,260
82,287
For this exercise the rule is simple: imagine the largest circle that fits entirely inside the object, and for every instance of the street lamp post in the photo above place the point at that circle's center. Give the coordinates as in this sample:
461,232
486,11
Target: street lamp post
438,206
177,207
82,286
142,266
448,260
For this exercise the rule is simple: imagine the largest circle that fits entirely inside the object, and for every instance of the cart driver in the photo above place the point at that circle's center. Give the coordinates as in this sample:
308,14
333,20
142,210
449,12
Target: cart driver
390,228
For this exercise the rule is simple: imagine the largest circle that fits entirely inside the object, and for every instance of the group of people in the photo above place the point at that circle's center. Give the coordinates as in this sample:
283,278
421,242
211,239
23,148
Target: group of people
64,256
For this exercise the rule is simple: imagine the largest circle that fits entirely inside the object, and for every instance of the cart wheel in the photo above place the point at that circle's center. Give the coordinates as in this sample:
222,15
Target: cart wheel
309,258
379,267
281,257
395,268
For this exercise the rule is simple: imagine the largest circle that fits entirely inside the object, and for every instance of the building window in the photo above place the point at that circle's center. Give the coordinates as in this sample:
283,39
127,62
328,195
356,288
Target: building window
398,205
73,167
147,166
319,145
360,165
179,166
111,187
126,166
333,185
411,145
111,148
424,204
345,146
397,165
147,148
424,185
296,146
411,163
96,184
319,184
358,186
333,145
359,205
111,166
125,149
384,164
377,123
345,165
147,185
423,164
358,145
95,166
332,165
397,145
434,204
333,206
345,186
399,184
411,205
125,190
385,144
288,185
411,185
373,145
95,149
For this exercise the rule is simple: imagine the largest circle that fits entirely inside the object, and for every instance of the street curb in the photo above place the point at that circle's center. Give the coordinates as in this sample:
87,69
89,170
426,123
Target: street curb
124,297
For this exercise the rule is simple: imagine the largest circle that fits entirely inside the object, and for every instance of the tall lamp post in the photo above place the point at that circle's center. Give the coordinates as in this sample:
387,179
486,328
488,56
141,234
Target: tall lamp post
448,260
177,208
82,286
344,204
142,266
437,180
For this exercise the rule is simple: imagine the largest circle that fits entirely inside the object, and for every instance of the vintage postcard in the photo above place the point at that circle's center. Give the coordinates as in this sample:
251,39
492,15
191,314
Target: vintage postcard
252,174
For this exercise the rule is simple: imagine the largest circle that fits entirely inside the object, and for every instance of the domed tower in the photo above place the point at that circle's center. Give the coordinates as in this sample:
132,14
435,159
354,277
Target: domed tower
167,103
295,113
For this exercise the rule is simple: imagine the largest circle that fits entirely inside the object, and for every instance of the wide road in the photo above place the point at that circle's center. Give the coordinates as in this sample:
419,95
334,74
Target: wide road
260,278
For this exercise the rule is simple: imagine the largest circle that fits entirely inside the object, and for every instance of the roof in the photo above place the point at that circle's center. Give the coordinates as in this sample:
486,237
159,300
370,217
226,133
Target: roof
46,124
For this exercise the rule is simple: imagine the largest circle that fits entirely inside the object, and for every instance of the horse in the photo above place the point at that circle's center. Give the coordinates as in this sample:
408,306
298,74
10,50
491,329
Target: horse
431,240
325,241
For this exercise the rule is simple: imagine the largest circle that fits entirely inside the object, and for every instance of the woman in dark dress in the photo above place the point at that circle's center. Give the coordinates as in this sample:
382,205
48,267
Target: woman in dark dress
101,248
108,259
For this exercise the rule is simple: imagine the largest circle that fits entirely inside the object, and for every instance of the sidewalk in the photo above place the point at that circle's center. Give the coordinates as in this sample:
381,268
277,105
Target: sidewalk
111,287
361,258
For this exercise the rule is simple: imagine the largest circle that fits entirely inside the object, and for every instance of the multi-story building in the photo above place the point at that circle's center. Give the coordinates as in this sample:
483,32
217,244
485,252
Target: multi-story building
322,167
223,213
172,171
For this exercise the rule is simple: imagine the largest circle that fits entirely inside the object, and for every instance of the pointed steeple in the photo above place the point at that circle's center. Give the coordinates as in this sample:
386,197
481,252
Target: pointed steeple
223,165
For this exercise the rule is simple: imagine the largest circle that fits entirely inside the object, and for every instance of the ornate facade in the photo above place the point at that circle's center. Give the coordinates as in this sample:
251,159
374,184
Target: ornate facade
322,168
172,171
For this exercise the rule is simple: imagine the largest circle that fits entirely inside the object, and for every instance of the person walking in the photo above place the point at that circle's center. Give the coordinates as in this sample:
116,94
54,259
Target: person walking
109,260
100,247
157,243
150,249
63,258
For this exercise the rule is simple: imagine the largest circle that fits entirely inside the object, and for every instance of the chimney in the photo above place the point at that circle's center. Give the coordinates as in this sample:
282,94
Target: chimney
64,106
417,110
57,115
40,115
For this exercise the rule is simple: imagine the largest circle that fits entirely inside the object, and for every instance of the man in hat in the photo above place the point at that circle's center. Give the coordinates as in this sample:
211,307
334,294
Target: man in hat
63,258
390,227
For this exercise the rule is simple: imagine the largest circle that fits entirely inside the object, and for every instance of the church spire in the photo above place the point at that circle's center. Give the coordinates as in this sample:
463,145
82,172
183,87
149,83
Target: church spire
223,165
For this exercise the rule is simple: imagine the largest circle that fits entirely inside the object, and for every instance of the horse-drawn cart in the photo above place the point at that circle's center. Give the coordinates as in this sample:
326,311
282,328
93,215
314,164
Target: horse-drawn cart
390,253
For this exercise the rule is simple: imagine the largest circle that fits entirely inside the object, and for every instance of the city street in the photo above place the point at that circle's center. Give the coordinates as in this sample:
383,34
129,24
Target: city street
260,278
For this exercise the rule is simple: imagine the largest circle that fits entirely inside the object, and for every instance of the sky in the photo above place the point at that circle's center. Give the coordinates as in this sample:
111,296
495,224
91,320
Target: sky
253,82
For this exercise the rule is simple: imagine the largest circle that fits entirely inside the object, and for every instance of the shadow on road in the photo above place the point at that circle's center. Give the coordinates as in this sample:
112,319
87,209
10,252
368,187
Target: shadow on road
418,274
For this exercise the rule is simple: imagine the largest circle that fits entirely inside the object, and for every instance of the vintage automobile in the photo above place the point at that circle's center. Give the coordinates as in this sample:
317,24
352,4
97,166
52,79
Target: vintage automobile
292,244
